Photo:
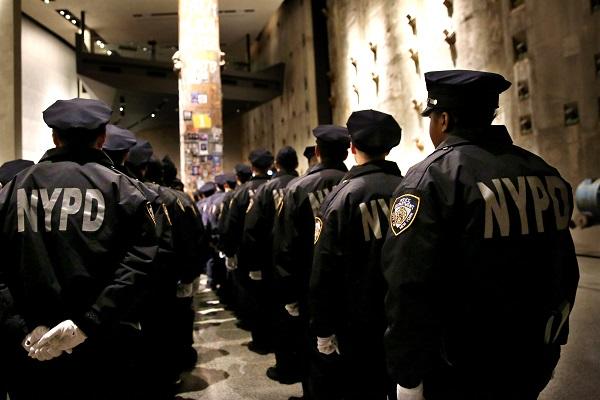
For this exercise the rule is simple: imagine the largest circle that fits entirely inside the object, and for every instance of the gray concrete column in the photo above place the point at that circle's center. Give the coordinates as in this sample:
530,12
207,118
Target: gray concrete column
10,71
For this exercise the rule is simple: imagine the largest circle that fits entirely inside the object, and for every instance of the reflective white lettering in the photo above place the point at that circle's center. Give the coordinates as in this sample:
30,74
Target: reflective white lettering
520,198
541,200
48,204
494,208
89,224
27,208
555,183
70,205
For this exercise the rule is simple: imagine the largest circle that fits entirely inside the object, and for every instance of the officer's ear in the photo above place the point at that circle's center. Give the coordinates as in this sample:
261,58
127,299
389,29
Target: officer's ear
100,141
352,148
445,121
55,139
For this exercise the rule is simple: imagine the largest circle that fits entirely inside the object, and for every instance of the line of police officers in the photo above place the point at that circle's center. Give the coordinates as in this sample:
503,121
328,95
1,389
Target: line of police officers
454,282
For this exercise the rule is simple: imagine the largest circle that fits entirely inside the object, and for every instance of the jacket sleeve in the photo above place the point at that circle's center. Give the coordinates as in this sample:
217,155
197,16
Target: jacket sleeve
324,296
412,260
256,232
234,224
285,234
129,281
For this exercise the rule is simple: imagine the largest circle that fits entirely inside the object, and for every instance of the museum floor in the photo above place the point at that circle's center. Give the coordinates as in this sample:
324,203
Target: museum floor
227,370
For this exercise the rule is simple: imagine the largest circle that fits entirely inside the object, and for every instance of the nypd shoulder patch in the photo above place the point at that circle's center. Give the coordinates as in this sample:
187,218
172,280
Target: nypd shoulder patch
404,211
318,227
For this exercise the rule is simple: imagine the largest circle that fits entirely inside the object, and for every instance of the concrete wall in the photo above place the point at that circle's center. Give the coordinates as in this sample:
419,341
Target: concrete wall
48,74
290,118
10,90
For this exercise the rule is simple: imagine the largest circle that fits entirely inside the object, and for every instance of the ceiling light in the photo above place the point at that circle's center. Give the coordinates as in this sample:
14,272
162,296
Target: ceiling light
98,42
121,108
144,48
62,12
74,22
153,115
46,1
67,16
108,52
101,45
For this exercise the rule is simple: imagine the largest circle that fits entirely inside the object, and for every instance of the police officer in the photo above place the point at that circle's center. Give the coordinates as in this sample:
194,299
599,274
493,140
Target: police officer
294,235
170,174
243,173
205,192
311,156
12,326
78,238
479,259
258,240
215,267
9,169
117,145
347,286
243,200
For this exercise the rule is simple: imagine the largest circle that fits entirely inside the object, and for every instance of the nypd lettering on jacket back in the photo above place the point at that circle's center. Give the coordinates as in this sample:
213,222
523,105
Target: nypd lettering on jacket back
87,204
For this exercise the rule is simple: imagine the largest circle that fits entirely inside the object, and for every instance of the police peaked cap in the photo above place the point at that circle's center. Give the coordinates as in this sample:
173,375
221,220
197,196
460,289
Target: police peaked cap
10,169
230,179
118,138
243,169
309,152
141,153
462,89
208,187
332,134
373,131
261,158
220,179
287,156
77,114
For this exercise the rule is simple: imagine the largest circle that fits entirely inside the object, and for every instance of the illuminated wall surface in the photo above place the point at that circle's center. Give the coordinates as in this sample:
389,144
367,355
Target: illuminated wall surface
380,49
549,49
199,92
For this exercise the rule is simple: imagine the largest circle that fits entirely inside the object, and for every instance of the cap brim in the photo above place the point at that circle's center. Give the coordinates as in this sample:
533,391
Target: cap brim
427,111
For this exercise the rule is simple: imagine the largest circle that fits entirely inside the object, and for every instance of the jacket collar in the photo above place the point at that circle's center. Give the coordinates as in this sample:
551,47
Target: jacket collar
387,167
321,166
80,156
493,134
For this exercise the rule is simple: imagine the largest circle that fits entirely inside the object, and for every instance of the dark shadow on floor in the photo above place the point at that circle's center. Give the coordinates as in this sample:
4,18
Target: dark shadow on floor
200,378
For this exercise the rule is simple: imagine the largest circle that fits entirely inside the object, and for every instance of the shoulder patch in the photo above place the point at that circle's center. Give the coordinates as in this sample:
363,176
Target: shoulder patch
318,227
404,211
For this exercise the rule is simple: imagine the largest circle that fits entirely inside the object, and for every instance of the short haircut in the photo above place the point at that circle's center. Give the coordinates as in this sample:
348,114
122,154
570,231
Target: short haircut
79,137
333,152
469,118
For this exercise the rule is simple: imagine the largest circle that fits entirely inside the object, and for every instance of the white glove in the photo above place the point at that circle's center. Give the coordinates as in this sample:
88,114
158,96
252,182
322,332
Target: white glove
34,336
63,337
231,263
185,289
410,394
327,345
221,254
45,353
256,275
292,309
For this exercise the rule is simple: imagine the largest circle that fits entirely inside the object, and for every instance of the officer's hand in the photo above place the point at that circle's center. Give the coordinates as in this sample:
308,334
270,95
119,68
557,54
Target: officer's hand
185,289
231,263
293,309
45,353
34,336
64,337
327,345
255,275
410,394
